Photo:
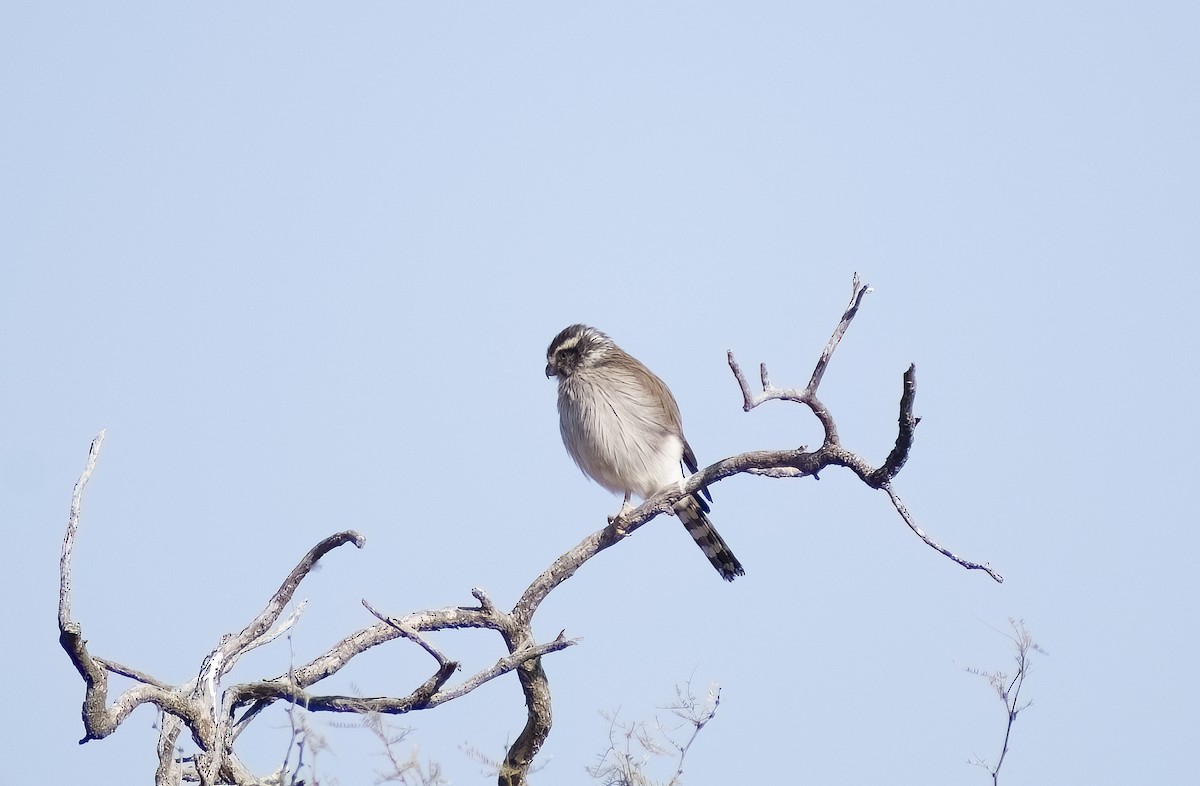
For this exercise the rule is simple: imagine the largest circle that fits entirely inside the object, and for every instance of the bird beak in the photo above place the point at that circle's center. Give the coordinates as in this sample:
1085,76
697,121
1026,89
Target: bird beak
549,371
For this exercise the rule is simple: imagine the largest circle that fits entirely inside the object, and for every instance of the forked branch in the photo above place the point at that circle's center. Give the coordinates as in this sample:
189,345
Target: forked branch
215,714
801,463
209,710
789,463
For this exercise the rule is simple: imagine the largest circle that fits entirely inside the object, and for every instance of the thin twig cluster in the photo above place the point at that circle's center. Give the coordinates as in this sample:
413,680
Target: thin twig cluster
1008,689
633,746
215,714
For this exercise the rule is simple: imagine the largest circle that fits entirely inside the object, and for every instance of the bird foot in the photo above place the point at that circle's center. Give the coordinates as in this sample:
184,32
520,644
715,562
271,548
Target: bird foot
617,522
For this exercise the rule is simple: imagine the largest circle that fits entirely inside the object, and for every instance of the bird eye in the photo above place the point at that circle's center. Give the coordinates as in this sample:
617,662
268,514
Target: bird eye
564,359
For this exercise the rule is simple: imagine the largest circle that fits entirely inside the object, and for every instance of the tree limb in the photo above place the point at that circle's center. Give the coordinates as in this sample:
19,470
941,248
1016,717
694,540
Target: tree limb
207,707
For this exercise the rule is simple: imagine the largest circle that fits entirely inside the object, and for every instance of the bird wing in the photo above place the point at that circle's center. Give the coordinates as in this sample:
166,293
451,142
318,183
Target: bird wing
674,421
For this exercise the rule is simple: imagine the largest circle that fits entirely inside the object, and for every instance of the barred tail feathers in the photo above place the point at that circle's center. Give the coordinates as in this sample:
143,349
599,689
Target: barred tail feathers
691,512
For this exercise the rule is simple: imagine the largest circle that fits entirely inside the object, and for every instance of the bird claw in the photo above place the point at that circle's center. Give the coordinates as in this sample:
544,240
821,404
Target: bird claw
617,522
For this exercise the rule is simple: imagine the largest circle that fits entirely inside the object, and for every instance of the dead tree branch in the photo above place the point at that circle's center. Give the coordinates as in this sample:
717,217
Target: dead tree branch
209,710
215,714
790,463
801,463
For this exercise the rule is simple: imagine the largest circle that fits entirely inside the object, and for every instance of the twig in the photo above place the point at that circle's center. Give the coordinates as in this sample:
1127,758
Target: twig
1009,689
131,673
410,634
623,764
933,544
857,293
698,717
502,666
233,647
64,562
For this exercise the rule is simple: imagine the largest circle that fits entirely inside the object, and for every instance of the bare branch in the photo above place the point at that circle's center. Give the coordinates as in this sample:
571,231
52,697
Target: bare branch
338,656
748,399
770,393
933,544
800,463
131,673
270,691
503,666
170,770
99,721
279,630
857,293
409,634
539,717
485,603
904,438
64,562
207,707
234,647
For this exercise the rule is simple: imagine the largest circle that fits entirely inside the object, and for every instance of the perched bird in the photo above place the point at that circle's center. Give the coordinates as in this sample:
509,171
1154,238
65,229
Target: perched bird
621,425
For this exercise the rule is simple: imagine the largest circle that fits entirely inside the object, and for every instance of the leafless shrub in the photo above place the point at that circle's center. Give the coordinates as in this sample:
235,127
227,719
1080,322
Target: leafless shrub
634,746
1008,688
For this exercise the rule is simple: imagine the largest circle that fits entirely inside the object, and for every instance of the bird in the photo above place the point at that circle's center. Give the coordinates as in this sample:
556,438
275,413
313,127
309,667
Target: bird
621,425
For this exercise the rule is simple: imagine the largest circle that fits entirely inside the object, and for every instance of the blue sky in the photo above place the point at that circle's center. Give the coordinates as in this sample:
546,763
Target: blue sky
303,263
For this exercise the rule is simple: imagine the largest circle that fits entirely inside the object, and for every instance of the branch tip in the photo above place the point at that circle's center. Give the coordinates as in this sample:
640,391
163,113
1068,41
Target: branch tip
485,603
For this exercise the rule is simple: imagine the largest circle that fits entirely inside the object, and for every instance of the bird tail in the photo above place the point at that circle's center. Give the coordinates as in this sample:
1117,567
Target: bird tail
692,512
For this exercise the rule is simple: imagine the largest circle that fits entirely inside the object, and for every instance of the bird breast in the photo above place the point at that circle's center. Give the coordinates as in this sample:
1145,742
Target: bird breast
618,433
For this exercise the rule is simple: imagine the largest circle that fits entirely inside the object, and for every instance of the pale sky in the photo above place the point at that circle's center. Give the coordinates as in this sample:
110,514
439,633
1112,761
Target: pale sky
303,264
